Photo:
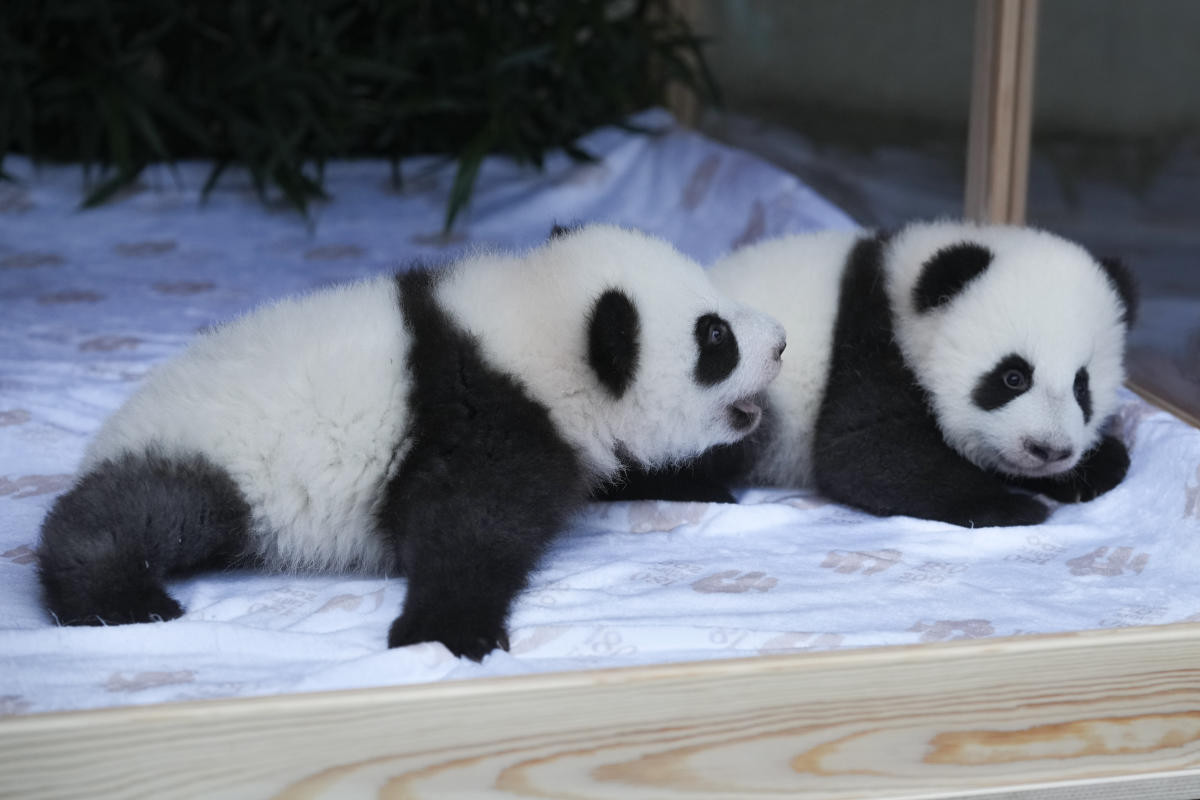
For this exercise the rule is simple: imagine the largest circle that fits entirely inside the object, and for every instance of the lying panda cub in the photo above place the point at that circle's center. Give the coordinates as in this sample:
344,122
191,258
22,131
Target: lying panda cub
440,423
931,373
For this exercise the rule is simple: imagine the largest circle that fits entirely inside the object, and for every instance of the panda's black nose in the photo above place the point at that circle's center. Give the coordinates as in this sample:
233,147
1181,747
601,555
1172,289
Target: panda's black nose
1046,452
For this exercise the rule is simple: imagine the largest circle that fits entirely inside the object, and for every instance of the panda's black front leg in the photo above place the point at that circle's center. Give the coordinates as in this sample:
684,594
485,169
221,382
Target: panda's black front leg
485,486
678,484
890,466
460,599
484,482
704,479
469,525
1100,470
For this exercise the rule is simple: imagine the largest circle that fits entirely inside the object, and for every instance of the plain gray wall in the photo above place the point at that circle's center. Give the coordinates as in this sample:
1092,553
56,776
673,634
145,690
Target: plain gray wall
1124,68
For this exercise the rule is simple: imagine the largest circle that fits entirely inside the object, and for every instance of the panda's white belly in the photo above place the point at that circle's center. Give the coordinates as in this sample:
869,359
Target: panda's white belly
797,280
304,404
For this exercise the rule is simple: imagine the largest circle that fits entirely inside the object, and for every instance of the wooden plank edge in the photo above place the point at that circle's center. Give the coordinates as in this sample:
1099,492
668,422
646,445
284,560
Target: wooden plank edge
1154,399
1018,712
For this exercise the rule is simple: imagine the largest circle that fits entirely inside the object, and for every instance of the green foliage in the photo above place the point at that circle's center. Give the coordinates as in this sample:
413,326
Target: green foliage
281,86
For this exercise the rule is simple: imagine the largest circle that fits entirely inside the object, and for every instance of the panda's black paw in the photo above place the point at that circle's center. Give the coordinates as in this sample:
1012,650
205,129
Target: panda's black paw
1009,510
1099,471
131,605
673,485
462,637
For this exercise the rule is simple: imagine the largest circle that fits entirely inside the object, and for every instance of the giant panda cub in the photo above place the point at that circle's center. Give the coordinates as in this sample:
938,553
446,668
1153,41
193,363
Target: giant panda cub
443,424
936,372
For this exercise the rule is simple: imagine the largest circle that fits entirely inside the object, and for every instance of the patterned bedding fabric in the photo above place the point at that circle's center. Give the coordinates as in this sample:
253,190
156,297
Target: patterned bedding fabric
90,300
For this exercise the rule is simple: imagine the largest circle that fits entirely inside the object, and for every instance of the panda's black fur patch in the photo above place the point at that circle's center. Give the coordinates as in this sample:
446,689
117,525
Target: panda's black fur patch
704,479
613,331
717,350
947,272
110,542
558,231
1083,394
993,391
1122,281
693,481
485,483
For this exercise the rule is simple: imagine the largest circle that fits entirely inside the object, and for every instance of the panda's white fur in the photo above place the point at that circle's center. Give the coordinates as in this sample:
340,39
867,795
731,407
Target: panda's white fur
303,403
306,405
799,277
1041,296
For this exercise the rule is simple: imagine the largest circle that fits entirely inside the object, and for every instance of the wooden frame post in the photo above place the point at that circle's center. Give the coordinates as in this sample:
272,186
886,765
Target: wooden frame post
681,101
1001,110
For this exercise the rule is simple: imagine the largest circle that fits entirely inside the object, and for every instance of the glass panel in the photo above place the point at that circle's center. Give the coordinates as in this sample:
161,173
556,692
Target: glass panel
1116,165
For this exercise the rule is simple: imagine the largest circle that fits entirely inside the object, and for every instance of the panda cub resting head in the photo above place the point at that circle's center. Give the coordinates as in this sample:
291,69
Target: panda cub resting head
934,372
443,424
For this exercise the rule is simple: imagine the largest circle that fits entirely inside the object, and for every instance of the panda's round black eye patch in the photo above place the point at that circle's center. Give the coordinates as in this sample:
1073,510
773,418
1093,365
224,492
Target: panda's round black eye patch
1083,394
1010,377
717,354
614,341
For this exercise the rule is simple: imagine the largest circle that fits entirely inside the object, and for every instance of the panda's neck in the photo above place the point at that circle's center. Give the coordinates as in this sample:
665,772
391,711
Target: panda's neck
914,334
528,323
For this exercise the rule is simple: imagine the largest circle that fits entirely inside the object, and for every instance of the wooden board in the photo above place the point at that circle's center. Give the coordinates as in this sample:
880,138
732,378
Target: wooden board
1155,399
1001,110
1119,707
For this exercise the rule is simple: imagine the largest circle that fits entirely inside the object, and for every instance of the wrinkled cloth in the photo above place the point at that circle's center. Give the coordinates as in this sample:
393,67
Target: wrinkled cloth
90,300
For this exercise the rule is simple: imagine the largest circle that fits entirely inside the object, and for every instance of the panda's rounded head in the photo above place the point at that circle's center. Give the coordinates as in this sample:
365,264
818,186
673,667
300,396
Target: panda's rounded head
1017,337
677,366
636,354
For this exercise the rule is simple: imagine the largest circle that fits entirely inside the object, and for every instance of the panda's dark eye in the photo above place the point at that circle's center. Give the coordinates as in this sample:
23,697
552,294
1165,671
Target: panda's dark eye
1015,379
717,331
716,349
1007,380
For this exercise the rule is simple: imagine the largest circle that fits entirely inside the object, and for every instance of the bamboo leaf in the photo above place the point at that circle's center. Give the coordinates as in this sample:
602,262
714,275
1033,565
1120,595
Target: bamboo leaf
279,86
214,175
464,177
109,187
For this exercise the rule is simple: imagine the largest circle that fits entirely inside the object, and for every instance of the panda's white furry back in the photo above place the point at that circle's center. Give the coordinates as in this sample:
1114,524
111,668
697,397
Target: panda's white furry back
932,371
294,403
443,423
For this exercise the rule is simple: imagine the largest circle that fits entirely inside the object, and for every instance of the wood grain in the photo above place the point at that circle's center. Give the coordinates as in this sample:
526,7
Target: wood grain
937,720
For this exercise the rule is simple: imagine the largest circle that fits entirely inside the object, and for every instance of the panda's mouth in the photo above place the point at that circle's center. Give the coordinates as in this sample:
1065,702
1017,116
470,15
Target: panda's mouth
744,415
1020,470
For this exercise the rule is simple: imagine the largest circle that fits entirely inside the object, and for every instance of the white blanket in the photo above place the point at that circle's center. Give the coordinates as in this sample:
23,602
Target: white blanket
90,300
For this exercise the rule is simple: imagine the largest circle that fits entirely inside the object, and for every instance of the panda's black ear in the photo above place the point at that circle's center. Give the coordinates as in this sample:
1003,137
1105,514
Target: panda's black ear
946,273
1122,280
612,330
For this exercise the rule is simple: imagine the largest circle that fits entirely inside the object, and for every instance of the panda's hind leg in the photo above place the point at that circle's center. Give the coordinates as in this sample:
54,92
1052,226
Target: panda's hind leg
110,542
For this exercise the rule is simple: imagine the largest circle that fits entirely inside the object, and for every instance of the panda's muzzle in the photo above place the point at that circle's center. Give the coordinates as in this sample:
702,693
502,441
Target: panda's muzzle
744,415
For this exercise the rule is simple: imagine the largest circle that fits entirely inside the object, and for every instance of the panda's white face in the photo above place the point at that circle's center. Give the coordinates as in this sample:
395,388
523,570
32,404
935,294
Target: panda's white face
701,365
626,341
1018,337
680,367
